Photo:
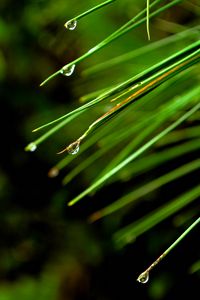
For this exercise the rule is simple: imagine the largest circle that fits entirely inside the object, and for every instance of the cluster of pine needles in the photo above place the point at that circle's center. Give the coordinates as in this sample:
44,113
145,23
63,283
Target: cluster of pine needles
152,119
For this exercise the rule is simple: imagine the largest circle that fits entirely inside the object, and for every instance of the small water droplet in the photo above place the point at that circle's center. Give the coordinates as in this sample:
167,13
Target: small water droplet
53,172
143,278
73,148
68,70
31,147
71,25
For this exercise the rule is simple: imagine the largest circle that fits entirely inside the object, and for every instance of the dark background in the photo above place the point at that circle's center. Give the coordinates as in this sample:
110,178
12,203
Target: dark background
47,250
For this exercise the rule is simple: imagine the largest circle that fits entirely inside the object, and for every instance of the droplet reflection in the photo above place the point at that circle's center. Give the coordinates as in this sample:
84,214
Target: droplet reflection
68,70
73,148
143,277
71,25
31,147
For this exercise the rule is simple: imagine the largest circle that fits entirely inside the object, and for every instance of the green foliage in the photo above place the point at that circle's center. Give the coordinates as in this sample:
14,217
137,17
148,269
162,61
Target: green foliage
137,123
151,104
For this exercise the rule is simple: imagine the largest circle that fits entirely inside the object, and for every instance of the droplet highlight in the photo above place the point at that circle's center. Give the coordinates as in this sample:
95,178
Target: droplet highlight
71,24
73,148
143,277
31,147
68,70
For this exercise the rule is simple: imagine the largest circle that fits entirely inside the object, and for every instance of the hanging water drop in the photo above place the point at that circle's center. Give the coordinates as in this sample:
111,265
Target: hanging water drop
71,24
73,148
31,147
143,277
68,70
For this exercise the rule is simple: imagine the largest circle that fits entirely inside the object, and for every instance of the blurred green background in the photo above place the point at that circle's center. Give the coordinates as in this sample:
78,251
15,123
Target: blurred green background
47,250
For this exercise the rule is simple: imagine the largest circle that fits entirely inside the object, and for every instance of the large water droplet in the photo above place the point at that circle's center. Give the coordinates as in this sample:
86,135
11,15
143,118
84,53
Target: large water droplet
68,70
143,277
71,24
73,148
31,147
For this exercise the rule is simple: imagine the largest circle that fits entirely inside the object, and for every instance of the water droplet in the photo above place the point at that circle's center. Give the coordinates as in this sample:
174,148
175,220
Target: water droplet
31,147
53,172
68,70
71,24
143,278
73,148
